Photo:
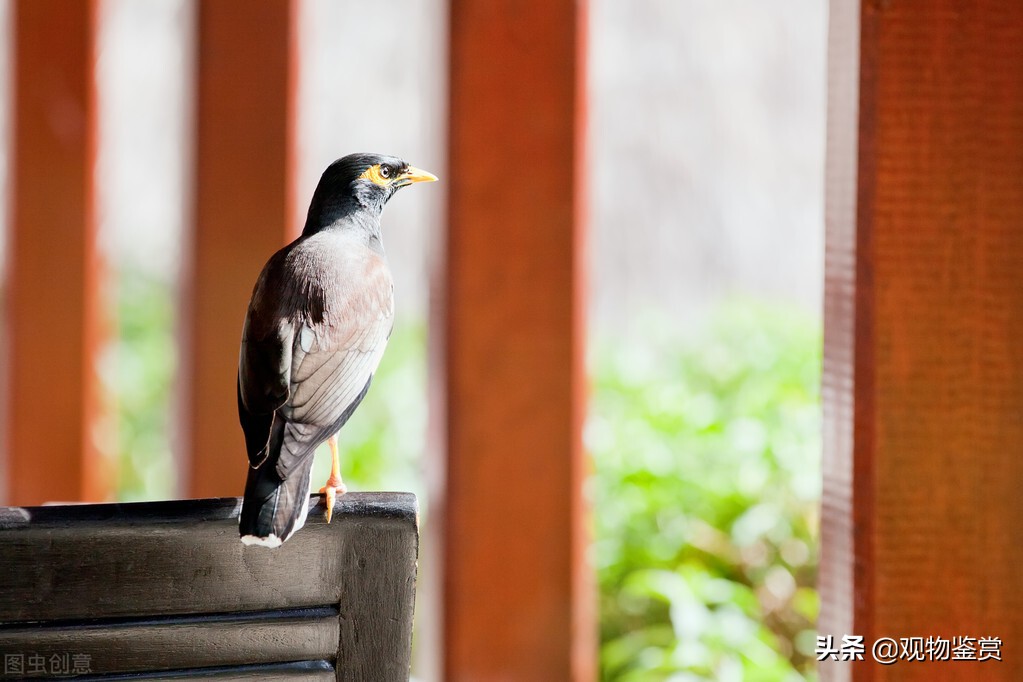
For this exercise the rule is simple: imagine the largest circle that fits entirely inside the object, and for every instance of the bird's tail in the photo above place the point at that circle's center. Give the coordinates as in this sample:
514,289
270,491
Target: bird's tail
273,509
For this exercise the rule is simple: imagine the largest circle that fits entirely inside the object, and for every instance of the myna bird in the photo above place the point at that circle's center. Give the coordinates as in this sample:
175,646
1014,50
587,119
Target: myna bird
320,315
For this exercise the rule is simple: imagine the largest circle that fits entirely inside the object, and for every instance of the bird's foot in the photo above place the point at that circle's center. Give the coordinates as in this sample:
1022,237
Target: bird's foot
334,487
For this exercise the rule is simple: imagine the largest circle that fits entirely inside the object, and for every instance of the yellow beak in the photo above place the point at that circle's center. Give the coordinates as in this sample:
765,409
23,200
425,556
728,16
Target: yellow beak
413,174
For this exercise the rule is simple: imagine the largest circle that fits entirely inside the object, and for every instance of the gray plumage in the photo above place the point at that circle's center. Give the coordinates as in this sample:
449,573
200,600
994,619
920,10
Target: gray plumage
316,327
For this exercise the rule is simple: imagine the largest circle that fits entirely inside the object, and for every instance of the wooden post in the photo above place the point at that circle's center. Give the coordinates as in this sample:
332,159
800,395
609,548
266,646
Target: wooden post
923,369
517,602
243,193
52,397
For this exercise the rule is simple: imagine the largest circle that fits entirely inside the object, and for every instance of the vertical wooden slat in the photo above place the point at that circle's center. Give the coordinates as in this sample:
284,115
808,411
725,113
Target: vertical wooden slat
842,562
517,604
53,308
244,155
924,360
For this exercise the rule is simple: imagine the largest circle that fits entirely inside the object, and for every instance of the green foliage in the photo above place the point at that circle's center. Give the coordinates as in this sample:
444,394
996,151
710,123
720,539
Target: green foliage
140,368
706,490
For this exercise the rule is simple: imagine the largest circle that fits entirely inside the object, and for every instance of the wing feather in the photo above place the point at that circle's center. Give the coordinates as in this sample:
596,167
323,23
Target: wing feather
329,373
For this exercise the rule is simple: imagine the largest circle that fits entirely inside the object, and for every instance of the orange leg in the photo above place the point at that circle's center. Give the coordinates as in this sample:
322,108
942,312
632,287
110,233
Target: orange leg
334,485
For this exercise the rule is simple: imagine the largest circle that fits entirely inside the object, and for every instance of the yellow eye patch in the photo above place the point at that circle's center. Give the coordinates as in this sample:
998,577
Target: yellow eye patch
373,175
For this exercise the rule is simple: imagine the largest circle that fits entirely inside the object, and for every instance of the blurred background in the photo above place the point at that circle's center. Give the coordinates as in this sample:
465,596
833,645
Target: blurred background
705,204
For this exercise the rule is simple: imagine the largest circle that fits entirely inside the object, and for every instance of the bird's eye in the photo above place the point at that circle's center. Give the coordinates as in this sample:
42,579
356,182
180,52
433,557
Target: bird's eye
385,172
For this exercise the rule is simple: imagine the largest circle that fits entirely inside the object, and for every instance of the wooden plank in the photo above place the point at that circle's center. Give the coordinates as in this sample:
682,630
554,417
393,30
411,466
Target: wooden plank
517,601
378,584
306,671
179,643
146,562
923,364
184,557
53,311
243,194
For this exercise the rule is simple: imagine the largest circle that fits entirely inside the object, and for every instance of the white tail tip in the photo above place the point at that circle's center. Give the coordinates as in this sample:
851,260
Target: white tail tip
272,541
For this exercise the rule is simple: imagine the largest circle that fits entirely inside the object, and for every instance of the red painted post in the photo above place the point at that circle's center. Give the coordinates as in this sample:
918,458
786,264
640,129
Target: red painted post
53,308
517,601
244,164
923,367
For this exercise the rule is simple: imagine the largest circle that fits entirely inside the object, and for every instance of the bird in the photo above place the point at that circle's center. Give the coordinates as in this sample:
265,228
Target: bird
320,315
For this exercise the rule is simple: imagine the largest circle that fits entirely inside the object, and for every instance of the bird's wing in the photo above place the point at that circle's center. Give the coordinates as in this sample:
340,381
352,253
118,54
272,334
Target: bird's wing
335,351
264,362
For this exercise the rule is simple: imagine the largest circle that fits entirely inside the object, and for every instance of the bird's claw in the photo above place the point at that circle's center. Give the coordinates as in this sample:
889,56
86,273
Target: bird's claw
331,490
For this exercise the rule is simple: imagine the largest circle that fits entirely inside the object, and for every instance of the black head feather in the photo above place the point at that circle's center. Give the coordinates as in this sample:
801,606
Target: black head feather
344,189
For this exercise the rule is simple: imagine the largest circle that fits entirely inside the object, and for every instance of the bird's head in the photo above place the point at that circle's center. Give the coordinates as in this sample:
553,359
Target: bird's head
360,182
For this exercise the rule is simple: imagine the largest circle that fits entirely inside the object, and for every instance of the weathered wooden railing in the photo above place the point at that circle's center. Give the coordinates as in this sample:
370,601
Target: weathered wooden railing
167,588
